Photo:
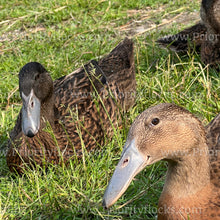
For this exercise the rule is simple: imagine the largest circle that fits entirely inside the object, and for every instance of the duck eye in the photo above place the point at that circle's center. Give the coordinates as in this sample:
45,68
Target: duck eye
37,76
155,121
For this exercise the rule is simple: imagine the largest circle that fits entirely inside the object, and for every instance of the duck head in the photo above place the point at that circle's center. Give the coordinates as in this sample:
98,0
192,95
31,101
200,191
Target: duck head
163,132
35,86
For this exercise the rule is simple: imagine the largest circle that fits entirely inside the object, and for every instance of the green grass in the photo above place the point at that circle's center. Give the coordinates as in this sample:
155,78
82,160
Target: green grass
62,35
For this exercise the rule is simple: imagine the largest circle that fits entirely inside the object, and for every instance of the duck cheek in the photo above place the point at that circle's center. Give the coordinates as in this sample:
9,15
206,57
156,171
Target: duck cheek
31,116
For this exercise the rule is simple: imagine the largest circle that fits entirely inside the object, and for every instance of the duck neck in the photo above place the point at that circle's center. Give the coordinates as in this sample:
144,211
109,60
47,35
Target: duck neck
47,111
189,174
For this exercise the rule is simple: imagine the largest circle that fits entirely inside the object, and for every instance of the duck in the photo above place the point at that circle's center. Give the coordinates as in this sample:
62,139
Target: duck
171,133
61,118
203,36
213,138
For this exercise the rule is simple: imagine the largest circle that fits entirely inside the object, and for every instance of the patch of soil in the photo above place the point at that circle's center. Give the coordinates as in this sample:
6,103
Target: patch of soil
147,22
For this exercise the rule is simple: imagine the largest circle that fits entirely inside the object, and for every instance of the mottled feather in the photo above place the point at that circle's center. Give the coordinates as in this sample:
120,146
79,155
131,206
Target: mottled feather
204,36
85,108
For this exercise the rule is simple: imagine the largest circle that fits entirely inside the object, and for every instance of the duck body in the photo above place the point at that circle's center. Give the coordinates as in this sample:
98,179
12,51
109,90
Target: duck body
203,36
76,111
171,133
188,38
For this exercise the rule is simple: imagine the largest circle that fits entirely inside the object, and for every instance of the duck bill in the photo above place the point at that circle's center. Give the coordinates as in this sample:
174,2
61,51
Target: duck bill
30,114
130,164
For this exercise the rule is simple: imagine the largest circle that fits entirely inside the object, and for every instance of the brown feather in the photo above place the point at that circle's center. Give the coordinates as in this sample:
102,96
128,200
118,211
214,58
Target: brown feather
204,36
82,109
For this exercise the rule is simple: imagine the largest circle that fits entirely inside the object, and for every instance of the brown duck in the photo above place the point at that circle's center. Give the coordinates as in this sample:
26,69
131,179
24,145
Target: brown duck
204,36
58,119
171,133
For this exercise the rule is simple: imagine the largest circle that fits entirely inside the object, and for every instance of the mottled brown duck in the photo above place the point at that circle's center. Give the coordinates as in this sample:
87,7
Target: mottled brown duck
80,109
204,36
171,133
